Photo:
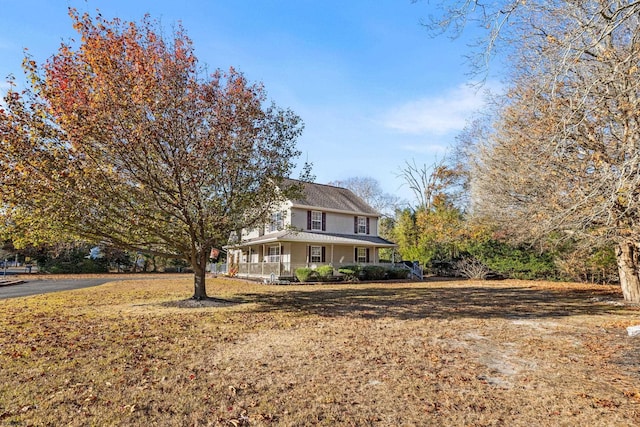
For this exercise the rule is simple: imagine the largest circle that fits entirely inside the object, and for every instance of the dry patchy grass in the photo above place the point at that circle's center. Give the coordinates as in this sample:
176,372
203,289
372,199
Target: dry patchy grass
435,353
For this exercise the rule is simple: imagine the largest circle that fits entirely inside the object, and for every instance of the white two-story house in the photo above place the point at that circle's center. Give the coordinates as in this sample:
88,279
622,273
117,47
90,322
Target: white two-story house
327,226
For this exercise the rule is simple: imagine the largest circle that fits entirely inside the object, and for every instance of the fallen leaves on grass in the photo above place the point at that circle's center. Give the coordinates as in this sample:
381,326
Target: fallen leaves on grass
445,353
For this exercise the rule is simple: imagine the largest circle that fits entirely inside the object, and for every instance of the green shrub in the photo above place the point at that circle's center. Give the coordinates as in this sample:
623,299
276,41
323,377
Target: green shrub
373,272
304,274
92,266
75,267
350,272
397,273
55,269
325,272
515,262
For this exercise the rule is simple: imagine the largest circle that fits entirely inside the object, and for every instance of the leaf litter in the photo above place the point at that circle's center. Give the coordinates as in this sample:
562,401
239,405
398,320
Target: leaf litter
445,353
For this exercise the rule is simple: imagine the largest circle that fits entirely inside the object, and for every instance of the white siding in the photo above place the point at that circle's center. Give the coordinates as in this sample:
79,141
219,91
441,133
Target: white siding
340,223
298,218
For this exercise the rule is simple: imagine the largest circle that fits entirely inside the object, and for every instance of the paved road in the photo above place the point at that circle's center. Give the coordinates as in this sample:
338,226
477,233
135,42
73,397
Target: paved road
35,287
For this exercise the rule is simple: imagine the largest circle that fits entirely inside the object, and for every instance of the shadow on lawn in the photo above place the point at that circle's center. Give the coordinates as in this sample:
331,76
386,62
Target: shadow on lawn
441,302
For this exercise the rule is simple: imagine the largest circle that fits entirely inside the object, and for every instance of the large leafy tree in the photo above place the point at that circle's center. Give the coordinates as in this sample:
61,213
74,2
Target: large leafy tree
122,139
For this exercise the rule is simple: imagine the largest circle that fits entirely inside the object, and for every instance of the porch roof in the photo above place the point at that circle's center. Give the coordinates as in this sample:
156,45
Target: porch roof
320,238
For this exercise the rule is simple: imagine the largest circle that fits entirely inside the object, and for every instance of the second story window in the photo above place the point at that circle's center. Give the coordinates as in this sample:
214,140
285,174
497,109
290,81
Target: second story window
316,220
277,223
362,225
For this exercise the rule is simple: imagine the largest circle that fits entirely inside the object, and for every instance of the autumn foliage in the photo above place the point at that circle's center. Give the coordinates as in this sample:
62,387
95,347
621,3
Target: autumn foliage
121,138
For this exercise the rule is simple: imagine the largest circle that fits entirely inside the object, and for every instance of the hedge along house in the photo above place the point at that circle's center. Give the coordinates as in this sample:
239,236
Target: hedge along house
327,226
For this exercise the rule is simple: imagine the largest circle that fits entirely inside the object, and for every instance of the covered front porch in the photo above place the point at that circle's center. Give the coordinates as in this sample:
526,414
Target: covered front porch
281,254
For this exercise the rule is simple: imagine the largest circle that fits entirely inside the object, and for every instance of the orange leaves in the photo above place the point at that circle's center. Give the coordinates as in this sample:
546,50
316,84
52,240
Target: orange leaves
117,68
122,138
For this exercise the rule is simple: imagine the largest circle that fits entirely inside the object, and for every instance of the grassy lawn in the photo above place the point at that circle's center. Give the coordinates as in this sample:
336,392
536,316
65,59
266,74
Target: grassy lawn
435,353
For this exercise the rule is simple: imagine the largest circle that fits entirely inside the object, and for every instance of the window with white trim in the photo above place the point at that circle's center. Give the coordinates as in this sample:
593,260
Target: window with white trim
274,254
277,223
316,254
362,225
316,220
362,255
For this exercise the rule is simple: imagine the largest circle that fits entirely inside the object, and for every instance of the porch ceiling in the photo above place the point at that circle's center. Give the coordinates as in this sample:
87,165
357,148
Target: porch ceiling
320,238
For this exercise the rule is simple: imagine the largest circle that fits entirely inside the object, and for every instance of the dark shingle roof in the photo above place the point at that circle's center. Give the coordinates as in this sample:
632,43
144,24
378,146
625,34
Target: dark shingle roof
323,238
330,197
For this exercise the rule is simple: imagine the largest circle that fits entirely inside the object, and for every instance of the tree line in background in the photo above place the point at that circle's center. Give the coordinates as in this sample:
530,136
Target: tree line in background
83,257
437,230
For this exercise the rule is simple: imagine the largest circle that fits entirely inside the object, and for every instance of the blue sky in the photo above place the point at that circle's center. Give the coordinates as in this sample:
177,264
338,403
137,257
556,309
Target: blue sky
373,88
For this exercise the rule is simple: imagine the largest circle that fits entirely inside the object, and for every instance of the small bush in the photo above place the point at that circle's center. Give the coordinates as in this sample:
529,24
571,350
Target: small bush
304,274
397,273
373,272
350,272
443,268
325,272
472,268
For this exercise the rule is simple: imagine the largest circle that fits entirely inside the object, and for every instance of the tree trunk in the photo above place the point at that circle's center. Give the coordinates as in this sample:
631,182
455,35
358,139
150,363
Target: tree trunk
199,279
627,259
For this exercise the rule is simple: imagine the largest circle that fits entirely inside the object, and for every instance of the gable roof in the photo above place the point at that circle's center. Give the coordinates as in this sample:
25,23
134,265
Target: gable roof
330,197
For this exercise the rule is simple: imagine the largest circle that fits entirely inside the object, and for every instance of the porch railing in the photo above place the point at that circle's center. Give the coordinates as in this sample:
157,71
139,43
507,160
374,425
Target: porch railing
286,269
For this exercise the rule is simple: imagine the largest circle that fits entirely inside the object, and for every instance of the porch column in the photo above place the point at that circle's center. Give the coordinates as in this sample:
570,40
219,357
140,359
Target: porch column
262,262
279,260
249,262
332,255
